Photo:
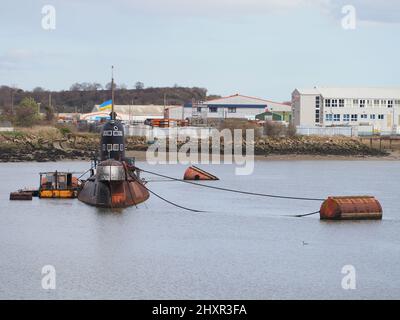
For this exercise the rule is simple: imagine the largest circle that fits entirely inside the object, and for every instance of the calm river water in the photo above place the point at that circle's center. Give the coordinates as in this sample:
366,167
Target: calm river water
244,247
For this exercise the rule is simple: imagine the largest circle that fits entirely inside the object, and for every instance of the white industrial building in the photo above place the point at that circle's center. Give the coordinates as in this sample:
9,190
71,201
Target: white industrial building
235,106
136,113
330,106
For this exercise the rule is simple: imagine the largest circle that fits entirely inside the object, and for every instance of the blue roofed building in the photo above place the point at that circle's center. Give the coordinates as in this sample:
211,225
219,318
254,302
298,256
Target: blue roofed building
240,107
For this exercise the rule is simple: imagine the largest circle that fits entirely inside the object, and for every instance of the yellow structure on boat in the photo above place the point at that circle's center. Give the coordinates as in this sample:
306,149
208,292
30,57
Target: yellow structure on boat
58,185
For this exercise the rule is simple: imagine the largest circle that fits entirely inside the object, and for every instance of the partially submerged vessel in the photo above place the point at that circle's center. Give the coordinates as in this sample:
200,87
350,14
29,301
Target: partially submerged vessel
195,173
114,181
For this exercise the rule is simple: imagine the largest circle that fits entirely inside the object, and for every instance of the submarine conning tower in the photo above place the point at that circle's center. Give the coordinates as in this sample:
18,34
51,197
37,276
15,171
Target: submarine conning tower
112,143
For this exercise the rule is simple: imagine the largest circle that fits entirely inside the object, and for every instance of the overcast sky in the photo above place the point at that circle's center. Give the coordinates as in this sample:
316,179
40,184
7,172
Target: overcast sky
254,47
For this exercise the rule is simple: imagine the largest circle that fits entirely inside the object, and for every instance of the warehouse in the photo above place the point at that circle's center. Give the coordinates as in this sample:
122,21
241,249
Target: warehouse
348,106
136,113
237,106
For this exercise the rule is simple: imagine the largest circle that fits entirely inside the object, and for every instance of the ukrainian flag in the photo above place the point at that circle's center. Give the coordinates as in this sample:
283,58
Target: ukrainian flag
105,105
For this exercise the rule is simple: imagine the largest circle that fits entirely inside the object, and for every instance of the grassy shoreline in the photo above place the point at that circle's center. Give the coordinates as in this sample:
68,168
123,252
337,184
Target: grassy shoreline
43,144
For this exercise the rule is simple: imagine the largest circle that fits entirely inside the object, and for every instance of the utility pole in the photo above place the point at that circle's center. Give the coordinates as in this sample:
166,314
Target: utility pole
50,100
12,100
165,103
130,111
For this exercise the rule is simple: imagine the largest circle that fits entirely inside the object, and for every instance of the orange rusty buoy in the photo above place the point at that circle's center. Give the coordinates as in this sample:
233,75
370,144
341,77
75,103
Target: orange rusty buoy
195,173
351,208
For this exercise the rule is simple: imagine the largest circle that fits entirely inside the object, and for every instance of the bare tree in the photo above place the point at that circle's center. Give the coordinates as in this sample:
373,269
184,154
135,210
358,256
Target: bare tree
139,85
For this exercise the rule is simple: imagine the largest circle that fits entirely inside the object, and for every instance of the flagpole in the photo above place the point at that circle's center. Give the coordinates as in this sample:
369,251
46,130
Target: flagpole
112,93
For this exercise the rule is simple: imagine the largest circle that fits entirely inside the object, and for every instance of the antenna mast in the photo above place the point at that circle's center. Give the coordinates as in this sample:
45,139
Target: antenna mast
112,93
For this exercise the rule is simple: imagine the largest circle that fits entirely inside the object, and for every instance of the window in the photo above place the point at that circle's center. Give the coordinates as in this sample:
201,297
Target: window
317,108
327,103
341,103
346,117
317,118
117,133
397,102
109,147
372,116
317,102
115,147
213,109
334,102
362,103
381,116
390,104
383,103
104,147
121,147
199,109
354,117
107,133
336,117
328,117
376,103
355,102
363,116
231,109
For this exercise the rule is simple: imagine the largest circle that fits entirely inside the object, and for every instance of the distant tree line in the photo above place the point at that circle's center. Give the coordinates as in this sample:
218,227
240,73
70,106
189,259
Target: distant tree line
83,96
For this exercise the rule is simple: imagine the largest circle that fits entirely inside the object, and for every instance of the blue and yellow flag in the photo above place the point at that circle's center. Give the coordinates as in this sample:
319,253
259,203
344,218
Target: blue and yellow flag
105,105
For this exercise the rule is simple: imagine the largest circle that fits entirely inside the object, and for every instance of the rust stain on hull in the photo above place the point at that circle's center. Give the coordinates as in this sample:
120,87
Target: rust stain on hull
113,194
351,208
125,191
195,173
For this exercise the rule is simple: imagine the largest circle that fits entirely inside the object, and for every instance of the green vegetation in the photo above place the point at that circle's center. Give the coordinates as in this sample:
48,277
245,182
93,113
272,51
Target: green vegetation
14,134
83,96
64,130
26,114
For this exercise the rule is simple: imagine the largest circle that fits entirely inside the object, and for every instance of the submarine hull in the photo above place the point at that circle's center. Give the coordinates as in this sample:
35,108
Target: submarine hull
113,186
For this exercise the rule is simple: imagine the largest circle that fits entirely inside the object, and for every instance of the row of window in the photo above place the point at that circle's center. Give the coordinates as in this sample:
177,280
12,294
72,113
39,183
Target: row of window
362,103
317,109
113,147
215,109
110,133
352,117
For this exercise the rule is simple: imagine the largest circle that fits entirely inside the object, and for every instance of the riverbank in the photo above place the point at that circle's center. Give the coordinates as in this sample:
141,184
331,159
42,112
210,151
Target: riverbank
51,144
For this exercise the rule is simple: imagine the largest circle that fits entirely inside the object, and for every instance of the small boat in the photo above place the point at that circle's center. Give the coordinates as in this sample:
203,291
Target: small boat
58,185
195,173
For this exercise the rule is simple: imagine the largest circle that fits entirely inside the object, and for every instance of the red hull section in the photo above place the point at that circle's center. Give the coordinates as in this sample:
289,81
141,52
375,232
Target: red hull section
195,173
108,191
351,208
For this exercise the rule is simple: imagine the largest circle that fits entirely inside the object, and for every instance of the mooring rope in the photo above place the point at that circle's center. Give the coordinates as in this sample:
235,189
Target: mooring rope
195,210
232,190
79,178
162,198
305,215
